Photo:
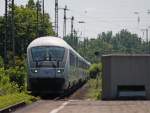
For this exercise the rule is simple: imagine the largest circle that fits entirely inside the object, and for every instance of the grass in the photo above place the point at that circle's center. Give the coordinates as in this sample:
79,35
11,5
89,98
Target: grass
95,86
11,99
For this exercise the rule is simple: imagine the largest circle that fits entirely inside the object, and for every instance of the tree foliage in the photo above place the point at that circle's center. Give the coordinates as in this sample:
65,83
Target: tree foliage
27,29
12,79
122,42
31,4
25,20
95,70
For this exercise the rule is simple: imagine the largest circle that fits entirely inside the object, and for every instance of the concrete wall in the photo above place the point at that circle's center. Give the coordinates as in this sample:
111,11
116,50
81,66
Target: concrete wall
125,70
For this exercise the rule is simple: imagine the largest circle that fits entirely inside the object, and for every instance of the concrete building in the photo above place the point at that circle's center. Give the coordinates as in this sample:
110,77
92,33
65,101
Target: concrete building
125,76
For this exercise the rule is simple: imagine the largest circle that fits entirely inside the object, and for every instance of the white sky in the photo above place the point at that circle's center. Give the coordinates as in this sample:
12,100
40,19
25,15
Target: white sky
99,15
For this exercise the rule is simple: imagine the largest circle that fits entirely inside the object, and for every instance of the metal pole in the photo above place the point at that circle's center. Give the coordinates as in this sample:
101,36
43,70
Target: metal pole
43,21
56,17
65,19
5,39
37,13
72,27
72,37
43,17
147,40
13,32
43,9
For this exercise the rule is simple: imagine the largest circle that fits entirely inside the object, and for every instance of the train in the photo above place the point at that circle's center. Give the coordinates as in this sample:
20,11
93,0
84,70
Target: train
54,66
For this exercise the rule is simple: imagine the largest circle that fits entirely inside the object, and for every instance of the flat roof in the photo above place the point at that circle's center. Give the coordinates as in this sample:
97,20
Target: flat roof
124,55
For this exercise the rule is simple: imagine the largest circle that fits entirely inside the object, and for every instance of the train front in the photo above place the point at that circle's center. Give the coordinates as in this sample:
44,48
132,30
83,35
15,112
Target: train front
46,69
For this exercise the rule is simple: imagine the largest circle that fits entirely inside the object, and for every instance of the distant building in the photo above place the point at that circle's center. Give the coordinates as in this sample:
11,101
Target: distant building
126,76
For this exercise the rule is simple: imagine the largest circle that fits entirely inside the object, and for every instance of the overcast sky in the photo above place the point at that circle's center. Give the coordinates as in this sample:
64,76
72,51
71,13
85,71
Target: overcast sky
99,15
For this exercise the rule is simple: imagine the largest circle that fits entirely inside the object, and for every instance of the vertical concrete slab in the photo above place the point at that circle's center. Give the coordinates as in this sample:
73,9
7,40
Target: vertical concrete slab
124,70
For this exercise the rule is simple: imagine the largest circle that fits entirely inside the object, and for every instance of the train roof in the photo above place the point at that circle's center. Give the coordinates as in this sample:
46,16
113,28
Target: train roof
53,41
48,40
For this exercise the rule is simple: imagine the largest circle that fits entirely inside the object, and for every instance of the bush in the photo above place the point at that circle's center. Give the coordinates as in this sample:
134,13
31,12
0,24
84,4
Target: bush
95,87
13,79
95,70
6,87
18,76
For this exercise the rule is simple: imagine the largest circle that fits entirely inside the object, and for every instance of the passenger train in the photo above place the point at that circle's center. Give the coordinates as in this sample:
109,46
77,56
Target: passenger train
54,66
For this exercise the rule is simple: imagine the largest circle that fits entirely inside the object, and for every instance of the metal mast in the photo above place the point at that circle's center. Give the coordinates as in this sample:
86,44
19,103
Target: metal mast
9,29
43,15
13,31
65,19
6,31
43,8
37,14
56,17
147,39
42,18
72,26
72,36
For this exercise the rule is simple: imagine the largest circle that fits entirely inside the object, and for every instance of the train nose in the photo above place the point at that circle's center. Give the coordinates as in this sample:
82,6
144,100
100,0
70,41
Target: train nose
47,84
47,80
47,73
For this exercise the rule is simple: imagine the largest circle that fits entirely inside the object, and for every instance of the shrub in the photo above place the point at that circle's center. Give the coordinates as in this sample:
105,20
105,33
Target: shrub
95,70
18,76
6,87
13,79
95,87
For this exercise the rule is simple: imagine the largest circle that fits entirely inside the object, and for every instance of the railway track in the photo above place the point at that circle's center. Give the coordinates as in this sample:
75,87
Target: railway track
68,94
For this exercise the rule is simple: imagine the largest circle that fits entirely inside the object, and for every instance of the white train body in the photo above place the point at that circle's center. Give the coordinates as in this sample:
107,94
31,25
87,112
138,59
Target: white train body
54,66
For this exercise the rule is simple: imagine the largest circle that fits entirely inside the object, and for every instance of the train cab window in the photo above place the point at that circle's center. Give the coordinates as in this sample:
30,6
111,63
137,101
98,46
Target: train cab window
38,53
48,53
56,53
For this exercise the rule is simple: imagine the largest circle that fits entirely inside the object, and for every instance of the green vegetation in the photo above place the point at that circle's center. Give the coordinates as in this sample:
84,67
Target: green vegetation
95,70
13,78
15,98
123,42
13,86
95,83
95,87
26,30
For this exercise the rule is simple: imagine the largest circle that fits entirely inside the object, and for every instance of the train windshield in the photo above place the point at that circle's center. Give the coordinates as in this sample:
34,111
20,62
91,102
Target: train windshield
48,53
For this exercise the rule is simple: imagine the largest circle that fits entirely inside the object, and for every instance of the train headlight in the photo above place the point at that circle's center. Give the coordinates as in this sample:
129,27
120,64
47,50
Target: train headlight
34,70
60,71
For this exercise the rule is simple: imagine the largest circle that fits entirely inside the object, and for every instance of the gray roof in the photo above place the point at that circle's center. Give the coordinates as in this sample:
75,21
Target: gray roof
123,55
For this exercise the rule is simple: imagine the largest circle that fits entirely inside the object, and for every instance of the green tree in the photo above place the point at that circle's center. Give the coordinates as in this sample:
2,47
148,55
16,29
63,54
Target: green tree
107,37
25,28
31,4
124,41
2,28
